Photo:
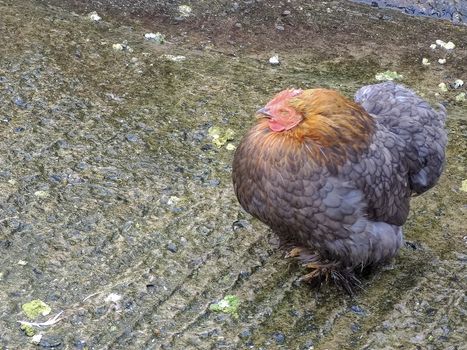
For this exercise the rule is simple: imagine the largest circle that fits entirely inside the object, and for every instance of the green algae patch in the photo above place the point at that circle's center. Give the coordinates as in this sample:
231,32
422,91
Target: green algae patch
28,330
460,97
228,305
220,136
388,75
35,308
464,186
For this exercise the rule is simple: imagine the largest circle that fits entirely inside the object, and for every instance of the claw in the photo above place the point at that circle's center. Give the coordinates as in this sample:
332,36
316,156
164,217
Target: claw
294,252
310,276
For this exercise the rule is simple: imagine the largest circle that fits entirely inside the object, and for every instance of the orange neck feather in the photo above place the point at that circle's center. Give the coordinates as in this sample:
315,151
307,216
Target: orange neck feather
332,127
331,119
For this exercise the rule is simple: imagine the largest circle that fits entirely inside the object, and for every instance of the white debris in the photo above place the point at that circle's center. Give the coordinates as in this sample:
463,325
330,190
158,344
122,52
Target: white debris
274,60
458,83
157,37
36,339
184,10
117,47
425,61
49,322
230,147
41,194
93,16
22,262
433,46
173,200
449,45
122,47
442,61
173,58
113,298
445,45
443,87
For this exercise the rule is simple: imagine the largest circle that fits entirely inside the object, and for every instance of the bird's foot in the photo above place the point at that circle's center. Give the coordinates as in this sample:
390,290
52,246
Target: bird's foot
319,271
324,270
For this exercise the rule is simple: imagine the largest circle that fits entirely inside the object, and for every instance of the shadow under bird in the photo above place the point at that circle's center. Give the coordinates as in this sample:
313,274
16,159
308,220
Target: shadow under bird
333,177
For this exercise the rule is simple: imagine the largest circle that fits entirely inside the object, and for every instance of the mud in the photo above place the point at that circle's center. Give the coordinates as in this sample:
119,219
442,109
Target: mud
117,209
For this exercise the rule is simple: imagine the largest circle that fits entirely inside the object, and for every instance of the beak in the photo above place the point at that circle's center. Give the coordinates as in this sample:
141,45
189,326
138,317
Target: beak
264,111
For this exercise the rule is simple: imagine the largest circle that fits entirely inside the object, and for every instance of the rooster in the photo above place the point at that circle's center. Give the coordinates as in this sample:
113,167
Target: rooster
333,178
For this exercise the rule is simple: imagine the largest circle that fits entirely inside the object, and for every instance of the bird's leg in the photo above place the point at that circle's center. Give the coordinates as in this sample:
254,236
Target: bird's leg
324,270
311,261
294,252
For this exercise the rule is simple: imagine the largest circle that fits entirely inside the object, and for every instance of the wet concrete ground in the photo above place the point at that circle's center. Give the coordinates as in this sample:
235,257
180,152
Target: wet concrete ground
451,10
117,209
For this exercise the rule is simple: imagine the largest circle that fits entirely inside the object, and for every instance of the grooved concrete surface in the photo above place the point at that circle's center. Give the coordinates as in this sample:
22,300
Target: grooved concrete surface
117,210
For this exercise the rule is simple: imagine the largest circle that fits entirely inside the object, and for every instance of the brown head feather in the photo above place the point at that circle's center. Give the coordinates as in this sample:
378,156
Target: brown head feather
332,127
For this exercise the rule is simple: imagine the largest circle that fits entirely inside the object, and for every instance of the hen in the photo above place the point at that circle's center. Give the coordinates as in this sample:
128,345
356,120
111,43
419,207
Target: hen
333,178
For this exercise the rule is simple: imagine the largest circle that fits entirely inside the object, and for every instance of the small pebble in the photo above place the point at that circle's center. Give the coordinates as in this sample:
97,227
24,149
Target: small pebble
354,327
132,138
214,182
172,247
357,310
206,147
246,333
20,102
240,224
80,344
279,337
280,27
50,341
442,61
425,61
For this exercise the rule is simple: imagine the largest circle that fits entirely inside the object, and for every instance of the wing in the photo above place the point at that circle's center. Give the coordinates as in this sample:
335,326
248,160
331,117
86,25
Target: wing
381,174
412,119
